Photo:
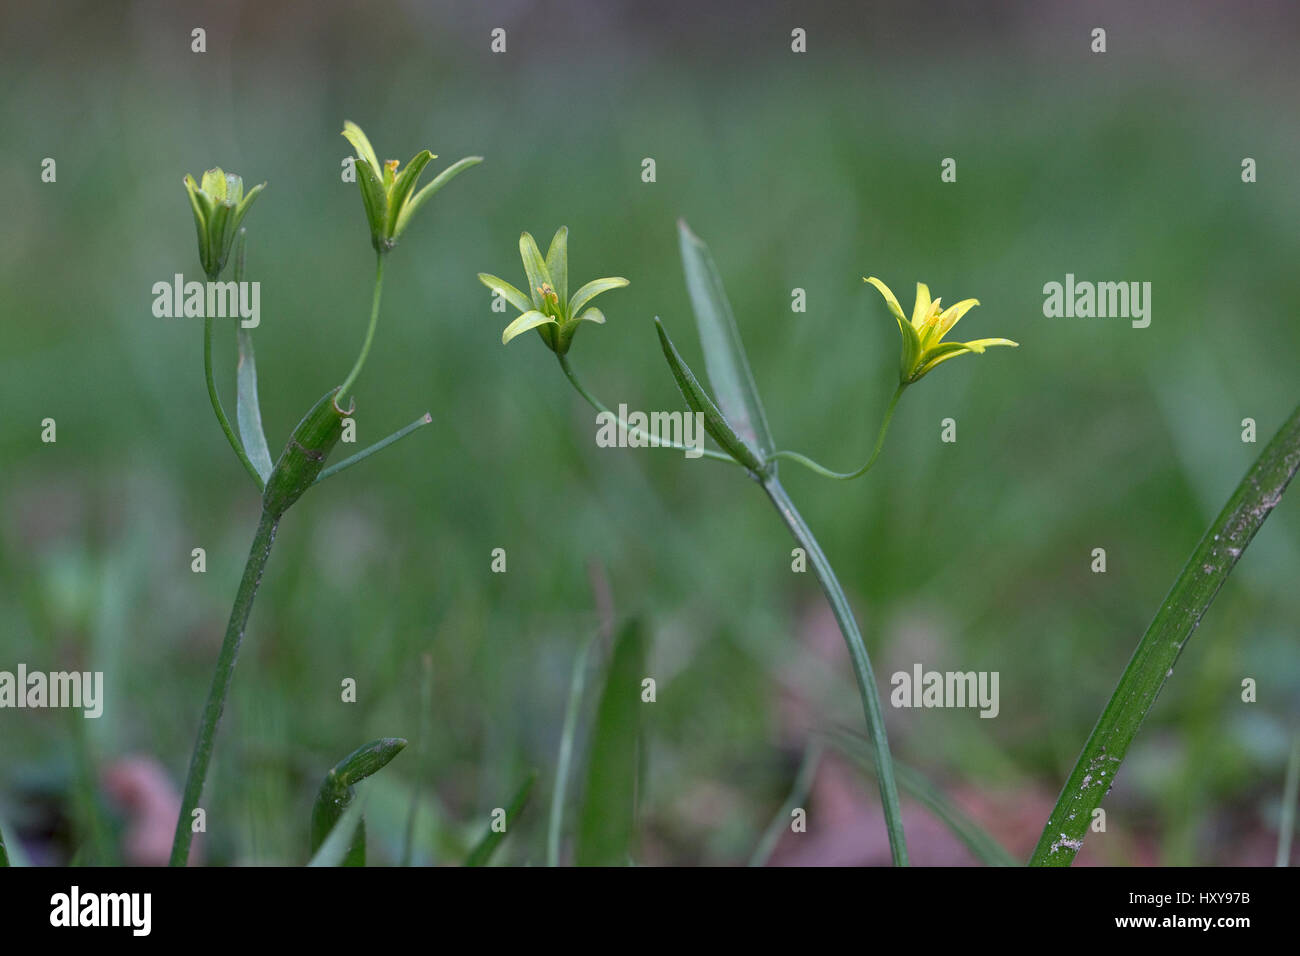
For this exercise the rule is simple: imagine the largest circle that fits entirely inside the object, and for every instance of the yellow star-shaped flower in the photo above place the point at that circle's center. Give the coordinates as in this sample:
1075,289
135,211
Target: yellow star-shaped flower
923,345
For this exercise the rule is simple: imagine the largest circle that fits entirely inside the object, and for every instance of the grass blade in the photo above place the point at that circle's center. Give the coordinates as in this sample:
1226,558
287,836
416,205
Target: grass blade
724,355
1290,792
559,794
1153,662
421,752
979,841
337,796
481,855
607,824
803,781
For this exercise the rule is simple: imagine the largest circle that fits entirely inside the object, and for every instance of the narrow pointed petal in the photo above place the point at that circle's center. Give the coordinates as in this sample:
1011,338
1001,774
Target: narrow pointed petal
592,315
214,184
951,315
592,289
557,264
535,266
922,307
979,345
403,186
890,299
424,195
361,143
529,320
512,295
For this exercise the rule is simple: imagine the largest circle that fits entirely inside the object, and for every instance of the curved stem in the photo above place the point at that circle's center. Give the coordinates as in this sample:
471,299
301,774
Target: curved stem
848,475
215,399
866,678
221,678
623,425
370,331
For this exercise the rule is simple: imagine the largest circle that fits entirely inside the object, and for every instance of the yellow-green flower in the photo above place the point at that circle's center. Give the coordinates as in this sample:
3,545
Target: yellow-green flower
923,345
548,307
389,192
219,206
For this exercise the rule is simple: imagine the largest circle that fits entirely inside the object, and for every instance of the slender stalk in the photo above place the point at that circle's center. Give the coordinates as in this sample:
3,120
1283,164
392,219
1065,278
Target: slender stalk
215,399
848,475
365,453
649,439
1290,789
884,764
803,782
1153,662
221,677
370,330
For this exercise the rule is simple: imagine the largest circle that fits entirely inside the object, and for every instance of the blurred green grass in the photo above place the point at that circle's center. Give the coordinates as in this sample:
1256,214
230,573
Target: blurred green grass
798,172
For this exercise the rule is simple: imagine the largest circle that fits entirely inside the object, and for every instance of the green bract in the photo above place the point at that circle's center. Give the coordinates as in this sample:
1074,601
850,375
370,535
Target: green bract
387,191
219,205
548,306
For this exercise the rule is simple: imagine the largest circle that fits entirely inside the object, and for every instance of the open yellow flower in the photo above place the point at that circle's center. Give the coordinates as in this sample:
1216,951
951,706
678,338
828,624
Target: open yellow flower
923,345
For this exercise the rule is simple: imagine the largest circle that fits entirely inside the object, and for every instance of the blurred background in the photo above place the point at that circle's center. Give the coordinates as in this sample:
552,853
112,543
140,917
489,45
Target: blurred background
801,171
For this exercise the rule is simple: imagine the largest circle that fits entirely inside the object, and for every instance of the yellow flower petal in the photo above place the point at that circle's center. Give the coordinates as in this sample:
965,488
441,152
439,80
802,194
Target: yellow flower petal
890,300
950,316
922,308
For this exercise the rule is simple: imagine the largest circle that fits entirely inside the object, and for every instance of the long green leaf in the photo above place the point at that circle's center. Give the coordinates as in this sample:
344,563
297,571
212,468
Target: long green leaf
803,781
715,423
248,411
608,821
4,854
337,795
1153,662
481,855
724,355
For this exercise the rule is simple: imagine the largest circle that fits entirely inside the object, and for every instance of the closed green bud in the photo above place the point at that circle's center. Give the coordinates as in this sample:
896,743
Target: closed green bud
219,206
304,456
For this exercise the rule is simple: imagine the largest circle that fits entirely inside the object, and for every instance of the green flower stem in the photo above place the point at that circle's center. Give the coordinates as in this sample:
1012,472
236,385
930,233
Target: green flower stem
598,406
370,331
875,452
225,670
362,455
221,412
884,764
1153,662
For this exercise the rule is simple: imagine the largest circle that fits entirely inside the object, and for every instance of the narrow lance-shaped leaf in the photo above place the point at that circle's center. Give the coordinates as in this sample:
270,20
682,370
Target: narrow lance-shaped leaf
336,795
714,423
248,412
607,824
724,355
1153,661
481,855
